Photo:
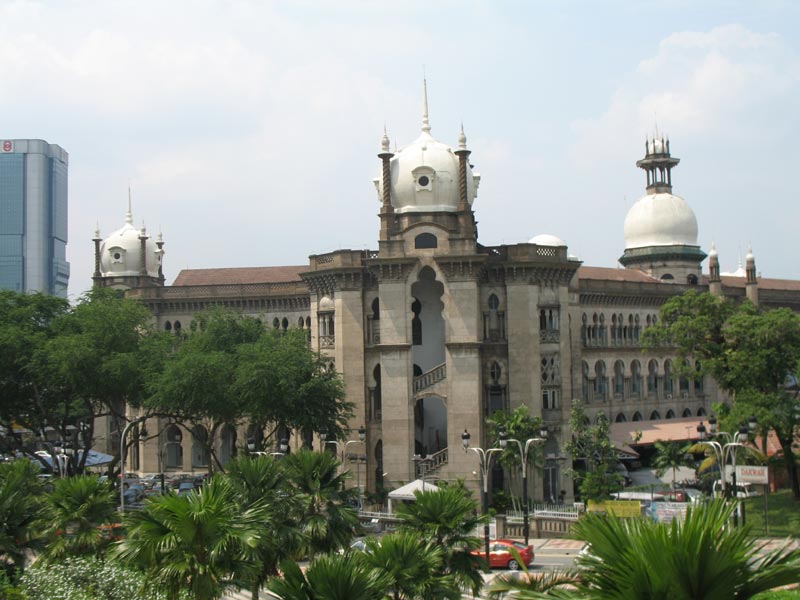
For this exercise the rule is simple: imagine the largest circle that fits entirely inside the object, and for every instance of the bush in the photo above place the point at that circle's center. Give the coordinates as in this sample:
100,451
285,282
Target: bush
87,579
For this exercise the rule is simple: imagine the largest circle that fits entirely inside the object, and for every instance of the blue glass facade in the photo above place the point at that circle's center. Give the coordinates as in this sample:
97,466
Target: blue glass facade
33,217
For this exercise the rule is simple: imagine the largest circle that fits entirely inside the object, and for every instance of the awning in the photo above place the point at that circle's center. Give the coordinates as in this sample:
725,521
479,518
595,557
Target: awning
93,459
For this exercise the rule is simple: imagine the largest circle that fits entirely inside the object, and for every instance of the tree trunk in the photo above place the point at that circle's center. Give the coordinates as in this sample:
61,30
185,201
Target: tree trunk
791,465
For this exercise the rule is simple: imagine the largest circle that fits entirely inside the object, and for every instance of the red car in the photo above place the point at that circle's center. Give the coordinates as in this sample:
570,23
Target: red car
500,554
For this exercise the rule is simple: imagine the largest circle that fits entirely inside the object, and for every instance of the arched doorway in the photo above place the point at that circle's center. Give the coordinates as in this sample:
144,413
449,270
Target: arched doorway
430,425
227,448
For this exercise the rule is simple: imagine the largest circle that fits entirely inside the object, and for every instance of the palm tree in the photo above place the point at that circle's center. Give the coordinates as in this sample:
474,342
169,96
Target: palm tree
448,517
202,543
74,512
413,566
672,455
549,584
330,577
20,509
700,557
261,482
327,522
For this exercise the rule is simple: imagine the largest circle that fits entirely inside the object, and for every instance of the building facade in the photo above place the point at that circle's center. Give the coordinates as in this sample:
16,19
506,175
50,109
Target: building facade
33,217
433,331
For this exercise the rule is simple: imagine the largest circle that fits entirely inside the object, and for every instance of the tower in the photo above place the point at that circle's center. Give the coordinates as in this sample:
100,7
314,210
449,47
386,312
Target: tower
33,217
661,229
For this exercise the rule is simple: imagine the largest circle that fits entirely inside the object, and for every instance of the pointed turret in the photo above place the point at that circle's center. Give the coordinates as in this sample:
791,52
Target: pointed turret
751,282
714,280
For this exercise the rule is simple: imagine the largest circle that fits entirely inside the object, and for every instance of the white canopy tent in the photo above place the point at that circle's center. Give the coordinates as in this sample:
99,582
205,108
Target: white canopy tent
406,493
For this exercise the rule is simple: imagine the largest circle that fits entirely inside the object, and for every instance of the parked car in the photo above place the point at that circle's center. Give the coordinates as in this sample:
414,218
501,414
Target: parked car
185,488
500,555
743,490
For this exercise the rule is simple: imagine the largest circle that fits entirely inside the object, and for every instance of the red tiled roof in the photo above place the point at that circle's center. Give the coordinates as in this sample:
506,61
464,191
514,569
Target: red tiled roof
607,274
764,283
239,275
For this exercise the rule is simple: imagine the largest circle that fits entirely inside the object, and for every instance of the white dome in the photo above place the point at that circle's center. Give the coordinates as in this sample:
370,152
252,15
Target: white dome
120,253
660,220
546,239
425,178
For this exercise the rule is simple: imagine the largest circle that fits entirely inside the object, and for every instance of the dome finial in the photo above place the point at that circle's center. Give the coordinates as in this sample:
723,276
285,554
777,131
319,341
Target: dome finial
713,251
385,141
97,230
426,127
129,214
462,139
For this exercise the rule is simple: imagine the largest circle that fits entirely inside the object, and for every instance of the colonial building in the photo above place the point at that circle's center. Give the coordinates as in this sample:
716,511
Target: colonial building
433,331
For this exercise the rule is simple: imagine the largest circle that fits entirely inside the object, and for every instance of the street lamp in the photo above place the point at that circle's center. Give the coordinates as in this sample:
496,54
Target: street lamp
362,438
722,451
523,456
122,449
485,459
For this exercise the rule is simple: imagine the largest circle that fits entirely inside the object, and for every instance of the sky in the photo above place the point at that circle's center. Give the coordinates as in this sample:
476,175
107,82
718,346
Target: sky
248,130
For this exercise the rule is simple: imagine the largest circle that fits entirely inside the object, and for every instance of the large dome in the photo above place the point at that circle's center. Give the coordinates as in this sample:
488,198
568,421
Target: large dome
120,252
661,219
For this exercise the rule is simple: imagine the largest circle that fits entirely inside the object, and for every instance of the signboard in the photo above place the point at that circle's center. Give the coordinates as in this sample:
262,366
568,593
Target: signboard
752,474
666,512
617,508
8,146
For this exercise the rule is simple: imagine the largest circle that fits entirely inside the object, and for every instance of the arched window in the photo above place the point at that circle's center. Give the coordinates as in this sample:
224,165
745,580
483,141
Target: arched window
416,323
692,279
493,323
686,413
667,277
585,372
652,378
698,378
177,326
276,323
379,464
285,324
199,450
621,418
683,380
300,323
619,378
426,240
602,329
670,414
173,451
637,416
167,326
417,370
308,322
377,401
494,373
584,329
376,309
654,416
613,329
636,378
600,387
701,412
637,328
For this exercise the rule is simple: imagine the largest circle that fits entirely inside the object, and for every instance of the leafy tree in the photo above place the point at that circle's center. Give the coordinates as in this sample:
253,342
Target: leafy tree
448,517
698,557
413,566
330,577
61,365
20,509
327,521
672,455
74,513
203,543
593,455
261,483
753,354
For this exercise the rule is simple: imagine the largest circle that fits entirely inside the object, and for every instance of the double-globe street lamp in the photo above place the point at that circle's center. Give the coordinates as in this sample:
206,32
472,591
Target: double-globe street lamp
485,459
523,456
122,449
724,450
362,438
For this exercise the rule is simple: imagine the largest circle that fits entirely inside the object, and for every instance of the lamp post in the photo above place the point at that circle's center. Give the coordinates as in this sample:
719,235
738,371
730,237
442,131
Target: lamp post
122,448
485,460
724,450
362,438
523,456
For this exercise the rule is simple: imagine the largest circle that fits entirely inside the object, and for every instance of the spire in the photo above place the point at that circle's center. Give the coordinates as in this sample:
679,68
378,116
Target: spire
129,214
425,125
462,139
97,231
713,251
385,141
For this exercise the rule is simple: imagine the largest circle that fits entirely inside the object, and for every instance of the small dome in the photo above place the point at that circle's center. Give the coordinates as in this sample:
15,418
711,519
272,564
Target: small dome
661,219
120,253
325,304
546,239
425,178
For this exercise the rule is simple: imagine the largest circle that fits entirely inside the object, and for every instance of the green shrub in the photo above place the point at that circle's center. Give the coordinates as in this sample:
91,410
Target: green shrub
86,579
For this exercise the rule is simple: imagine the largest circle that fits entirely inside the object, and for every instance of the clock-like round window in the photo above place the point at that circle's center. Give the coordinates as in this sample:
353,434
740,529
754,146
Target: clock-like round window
423,181
117,256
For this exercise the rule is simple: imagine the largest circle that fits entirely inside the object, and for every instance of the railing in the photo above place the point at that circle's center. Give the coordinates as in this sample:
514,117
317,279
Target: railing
431,462
544,511
549,335
327,341
429,378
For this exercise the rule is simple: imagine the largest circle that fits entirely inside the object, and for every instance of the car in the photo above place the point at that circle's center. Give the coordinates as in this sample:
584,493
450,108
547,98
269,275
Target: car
743,490
500,555
185,488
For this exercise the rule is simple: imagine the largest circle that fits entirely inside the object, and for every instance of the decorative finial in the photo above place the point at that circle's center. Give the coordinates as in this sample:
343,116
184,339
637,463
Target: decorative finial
749,256
385,142
425,125
144,230
160,237
129,214
713,251
462,139
97,230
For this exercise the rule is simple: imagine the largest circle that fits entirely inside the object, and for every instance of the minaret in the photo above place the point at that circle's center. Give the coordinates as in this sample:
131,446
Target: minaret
160,253
97,240
466,219
751,283
426,126
143,251
658,165
714,280
387,210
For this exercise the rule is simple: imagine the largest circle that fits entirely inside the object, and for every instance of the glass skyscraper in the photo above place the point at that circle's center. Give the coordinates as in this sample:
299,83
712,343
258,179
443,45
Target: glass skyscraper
33,217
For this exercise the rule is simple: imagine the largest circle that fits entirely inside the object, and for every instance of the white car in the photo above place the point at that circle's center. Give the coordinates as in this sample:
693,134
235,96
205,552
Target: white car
743,490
